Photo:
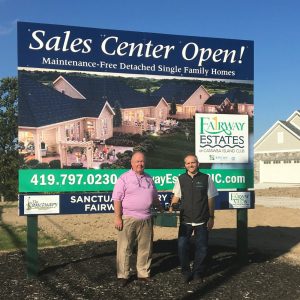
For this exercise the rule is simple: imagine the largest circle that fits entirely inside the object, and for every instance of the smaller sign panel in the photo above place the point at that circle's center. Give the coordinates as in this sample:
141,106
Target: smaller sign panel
41,204
74,203
95,203
239,199
222,138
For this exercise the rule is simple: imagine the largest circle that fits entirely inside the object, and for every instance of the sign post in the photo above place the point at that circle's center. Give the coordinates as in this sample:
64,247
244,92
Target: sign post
242,235
32,264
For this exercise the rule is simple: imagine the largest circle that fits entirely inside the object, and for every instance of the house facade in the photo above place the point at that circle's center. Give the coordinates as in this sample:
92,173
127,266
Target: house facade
195,103
139,119
51,121
277,153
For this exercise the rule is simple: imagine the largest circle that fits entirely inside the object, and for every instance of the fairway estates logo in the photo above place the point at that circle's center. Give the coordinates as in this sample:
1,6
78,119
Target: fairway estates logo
222,138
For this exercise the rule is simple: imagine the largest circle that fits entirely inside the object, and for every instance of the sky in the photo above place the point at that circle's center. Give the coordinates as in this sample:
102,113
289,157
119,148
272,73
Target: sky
274,26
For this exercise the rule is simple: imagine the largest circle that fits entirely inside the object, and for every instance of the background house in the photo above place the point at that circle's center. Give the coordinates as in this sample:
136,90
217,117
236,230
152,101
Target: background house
188,96
191,98
277,153
233,101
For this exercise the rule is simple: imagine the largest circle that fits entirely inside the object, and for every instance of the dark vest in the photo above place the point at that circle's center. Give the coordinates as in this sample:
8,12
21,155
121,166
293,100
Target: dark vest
194,199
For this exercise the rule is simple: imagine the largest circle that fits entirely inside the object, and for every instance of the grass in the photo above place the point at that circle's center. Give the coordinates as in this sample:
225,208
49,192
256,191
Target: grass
169,151
10,204
15,237
217,91
152,89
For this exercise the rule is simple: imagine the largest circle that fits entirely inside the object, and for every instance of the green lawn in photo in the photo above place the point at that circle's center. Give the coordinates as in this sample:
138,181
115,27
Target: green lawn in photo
170,150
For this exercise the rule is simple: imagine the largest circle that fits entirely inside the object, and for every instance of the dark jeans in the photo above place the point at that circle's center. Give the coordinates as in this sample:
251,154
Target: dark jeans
201,245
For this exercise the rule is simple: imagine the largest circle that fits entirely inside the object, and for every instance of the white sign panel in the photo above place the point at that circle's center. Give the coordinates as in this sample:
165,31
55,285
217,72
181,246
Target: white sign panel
222,138
239,199
41,204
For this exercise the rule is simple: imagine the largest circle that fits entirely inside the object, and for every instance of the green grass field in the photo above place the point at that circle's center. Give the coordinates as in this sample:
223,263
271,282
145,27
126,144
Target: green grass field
170,150
15,237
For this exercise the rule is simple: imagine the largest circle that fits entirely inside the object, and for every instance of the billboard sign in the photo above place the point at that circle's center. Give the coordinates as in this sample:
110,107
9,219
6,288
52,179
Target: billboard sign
89,97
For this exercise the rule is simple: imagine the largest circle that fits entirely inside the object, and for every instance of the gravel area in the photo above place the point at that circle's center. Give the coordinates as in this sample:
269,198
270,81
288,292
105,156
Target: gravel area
87,271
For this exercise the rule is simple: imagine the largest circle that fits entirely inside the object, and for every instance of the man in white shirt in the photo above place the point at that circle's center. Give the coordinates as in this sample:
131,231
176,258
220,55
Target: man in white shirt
196,191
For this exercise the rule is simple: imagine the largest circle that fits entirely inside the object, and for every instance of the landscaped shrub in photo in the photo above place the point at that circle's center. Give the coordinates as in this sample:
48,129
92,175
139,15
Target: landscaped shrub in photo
32,163
54,164
42,166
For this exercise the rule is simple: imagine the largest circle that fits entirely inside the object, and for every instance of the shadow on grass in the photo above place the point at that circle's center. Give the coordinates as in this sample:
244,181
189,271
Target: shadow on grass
15,239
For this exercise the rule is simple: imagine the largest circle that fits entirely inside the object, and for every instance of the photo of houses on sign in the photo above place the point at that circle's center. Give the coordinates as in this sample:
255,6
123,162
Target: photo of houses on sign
80,120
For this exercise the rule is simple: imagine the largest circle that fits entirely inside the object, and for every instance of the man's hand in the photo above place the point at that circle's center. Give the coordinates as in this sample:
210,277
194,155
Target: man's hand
161,209
118,223
210,223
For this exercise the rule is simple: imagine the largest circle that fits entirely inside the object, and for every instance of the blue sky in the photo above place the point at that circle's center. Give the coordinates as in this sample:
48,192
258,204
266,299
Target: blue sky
274,26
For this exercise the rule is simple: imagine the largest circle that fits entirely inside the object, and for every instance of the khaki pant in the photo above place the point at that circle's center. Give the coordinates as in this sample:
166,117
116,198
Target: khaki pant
140,231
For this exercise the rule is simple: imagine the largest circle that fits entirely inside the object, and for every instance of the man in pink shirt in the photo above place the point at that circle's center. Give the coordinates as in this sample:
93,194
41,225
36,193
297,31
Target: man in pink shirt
133,196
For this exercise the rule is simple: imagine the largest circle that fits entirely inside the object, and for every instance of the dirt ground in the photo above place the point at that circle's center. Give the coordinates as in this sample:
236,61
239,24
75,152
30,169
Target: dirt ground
293,192
273,231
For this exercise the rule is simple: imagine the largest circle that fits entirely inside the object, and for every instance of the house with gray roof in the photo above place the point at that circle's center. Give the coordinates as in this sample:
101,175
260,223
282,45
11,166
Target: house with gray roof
277,153
140,111
53,121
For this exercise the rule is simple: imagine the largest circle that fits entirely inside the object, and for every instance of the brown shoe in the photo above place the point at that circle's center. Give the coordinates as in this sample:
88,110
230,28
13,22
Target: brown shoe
144,279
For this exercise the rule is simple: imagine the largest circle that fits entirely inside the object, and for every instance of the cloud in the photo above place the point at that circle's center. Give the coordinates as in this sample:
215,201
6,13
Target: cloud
5,30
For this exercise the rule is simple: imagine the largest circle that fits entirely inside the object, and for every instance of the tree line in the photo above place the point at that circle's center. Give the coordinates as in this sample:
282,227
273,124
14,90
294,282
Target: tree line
9,157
